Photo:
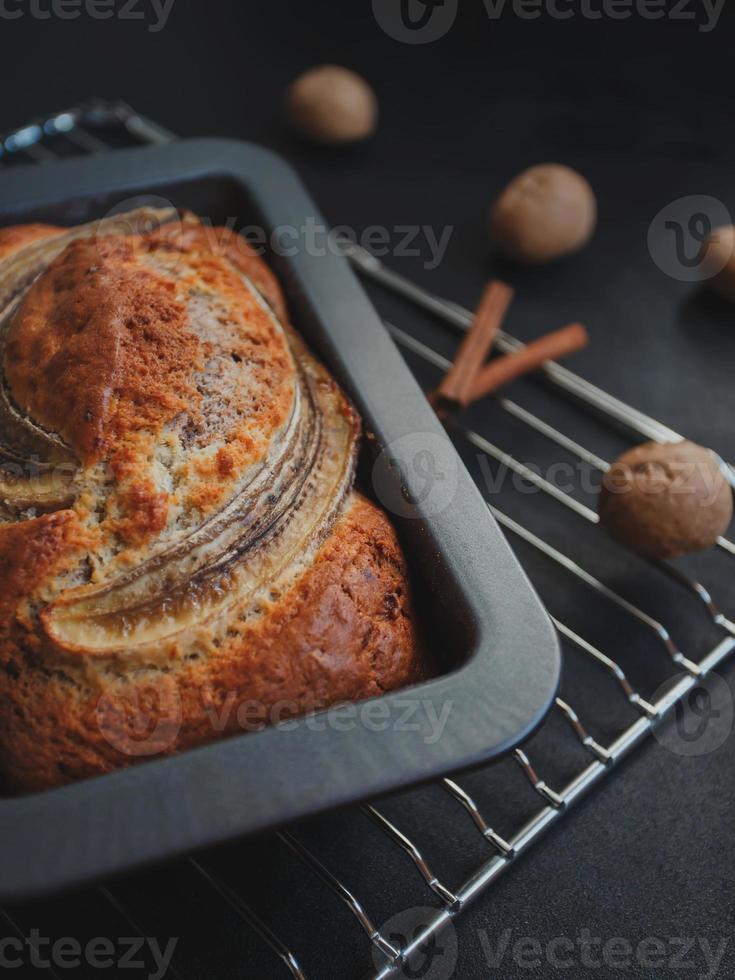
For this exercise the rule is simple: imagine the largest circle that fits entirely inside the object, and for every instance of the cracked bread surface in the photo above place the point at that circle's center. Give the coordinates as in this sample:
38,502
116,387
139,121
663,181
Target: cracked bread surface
182,552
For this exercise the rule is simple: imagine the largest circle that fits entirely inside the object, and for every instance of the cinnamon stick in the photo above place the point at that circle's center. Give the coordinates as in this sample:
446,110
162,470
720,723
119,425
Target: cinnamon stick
457,382
505,369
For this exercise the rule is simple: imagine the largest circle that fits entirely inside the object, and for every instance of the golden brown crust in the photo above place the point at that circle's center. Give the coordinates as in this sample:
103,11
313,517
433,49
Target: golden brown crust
344,631
226,243
15,237
99,347
176,390
30,552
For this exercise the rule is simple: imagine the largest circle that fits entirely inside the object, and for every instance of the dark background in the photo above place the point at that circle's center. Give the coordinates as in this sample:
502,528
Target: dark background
645,110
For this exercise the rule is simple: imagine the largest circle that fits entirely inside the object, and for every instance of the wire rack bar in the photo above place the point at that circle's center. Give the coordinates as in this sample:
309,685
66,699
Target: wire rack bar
411,343
594,583
541,787
582,510
569,796
461,319
20,934
464,798
252,919
581,732
77,125
343,893
641,705
492,451
81,127
123,912
414,853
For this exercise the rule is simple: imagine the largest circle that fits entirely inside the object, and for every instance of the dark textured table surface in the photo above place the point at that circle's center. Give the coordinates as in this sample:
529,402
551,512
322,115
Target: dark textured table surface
644,108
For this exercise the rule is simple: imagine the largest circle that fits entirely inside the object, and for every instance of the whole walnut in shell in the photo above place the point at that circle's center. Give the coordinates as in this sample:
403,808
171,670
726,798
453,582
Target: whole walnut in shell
544,213
332,105
718,257
666,500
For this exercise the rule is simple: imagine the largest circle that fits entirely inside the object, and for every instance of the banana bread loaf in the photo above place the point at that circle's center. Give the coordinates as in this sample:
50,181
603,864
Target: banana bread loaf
182,552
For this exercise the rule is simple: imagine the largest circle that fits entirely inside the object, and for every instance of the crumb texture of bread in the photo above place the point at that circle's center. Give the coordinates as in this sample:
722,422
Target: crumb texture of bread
182,553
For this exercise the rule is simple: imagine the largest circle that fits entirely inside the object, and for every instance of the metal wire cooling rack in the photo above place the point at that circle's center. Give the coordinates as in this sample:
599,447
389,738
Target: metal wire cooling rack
619,723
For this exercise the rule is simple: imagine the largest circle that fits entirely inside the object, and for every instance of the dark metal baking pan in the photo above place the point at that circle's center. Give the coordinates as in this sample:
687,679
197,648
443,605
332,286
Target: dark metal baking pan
498,650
